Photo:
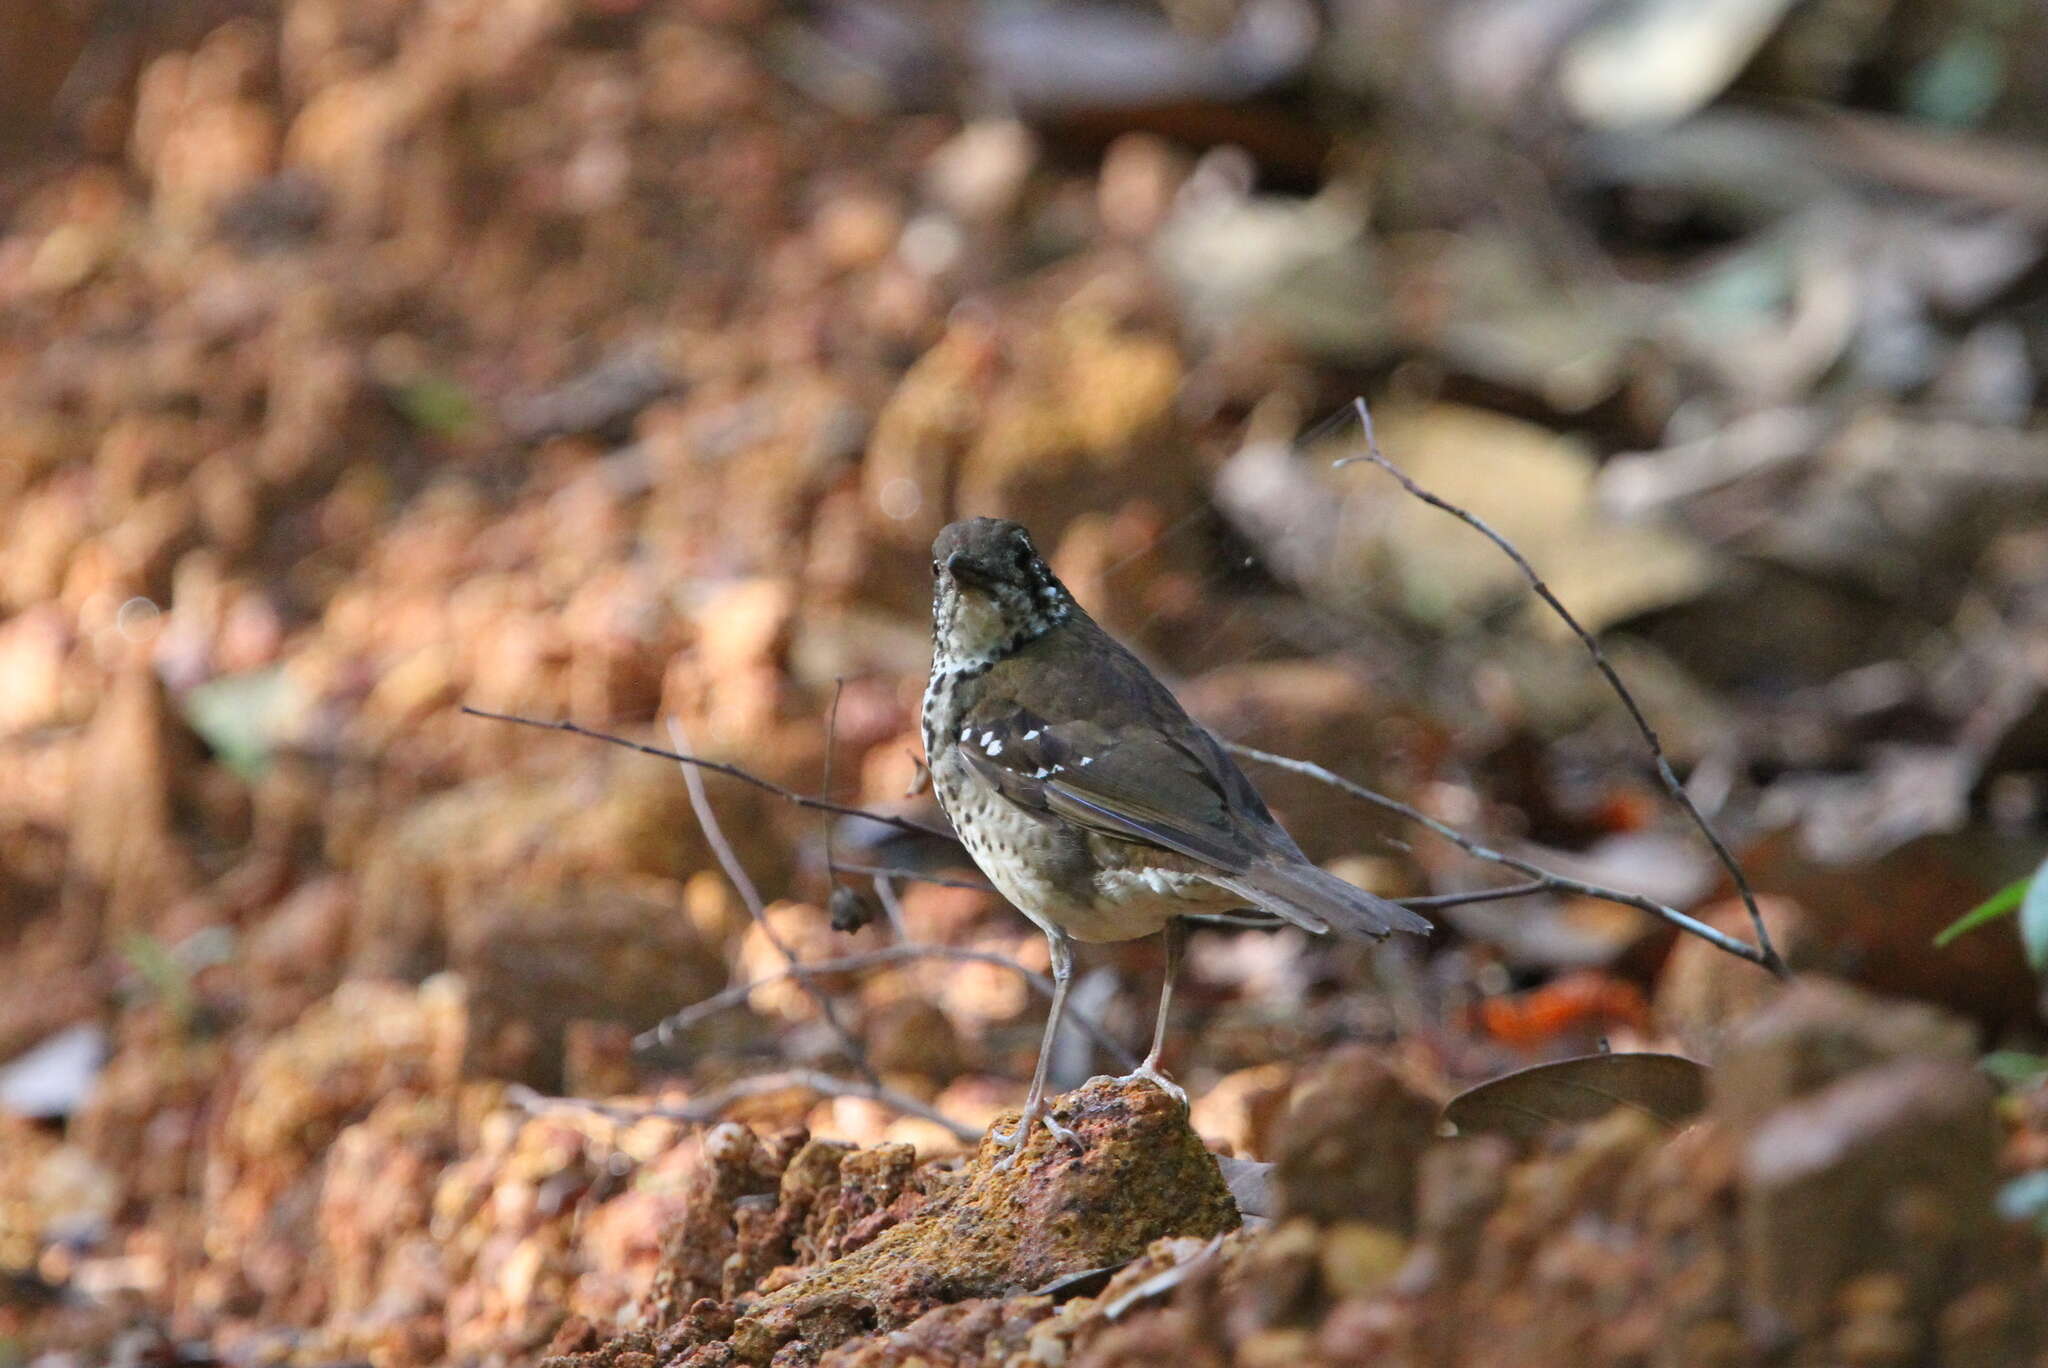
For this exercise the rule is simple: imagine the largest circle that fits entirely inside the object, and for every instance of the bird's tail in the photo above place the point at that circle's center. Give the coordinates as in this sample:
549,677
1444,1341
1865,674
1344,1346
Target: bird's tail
1297,891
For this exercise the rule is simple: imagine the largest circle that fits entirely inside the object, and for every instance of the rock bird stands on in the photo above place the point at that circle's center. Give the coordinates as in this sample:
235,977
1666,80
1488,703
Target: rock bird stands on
1089,798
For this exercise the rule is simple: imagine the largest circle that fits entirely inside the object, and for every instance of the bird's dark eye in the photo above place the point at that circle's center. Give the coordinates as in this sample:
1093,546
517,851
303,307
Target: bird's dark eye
935,567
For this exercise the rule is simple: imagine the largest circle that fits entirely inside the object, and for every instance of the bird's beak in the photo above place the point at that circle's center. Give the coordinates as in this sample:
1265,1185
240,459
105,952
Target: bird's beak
965,572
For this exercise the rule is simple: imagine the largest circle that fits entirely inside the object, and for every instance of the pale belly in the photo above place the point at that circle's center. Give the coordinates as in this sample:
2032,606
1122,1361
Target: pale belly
1051,878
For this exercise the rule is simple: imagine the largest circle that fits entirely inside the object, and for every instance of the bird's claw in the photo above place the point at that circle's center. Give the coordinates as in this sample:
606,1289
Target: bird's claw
1016,1138
1148,1072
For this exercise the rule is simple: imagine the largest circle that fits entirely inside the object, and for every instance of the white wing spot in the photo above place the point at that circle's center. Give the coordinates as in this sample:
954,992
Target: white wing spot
1031,735
994,747
1087,759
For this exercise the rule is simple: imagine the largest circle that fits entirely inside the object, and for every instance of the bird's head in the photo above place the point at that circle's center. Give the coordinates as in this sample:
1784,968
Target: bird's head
991,591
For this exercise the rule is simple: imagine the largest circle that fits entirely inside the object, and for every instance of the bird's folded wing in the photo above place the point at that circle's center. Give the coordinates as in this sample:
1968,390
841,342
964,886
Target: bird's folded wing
1141,786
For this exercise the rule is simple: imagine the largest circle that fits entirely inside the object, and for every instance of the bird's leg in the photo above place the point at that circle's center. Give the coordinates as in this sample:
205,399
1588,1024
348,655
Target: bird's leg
1175,935
1034,1101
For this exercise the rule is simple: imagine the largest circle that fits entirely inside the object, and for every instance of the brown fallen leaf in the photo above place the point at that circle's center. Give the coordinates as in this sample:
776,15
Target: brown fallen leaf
1668,1088
1251,1186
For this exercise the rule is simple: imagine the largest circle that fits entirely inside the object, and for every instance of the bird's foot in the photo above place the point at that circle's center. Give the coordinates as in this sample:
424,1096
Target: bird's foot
1148,1072
1018,1136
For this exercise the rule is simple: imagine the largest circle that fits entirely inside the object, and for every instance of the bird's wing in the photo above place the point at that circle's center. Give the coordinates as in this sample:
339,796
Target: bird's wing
1141,786
1138,769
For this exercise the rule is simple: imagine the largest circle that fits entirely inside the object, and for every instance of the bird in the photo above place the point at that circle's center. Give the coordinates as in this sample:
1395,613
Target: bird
1087,795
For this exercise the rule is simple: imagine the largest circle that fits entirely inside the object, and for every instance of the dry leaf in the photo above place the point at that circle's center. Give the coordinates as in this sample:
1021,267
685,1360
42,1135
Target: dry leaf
1670,1088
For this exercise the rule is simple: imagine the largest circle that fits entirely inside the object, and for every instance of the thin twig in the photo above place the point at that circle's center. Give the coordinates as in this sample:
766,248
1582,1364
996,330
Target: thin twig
1478,895
1421,903
913,875
1765,954
1250,920
665,1031
709,1107
729,860
892,906
825,784
1537,874
909,825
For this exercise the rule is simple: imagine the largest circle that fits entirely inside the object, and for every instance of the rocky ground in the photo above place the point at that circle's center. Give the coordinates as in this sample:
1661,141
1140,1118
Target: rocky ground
1832,1205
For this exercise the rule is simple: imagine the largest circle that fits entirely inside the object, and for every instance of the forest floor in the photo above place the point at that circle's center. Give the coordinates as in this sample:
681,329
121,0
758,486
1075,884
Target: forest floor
615,361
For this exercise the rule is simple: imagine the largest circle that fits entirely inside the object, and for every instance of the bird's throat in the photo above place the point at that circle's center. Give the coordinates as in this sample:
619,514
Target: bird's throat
973,631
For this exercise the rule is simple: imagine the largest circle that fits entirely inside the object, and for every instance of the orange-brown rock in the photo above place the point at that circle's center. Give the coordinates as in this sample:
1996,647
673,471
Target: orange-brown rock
1348,1148
1883,1179
1816,1031
367,1044
536,959
869,1245
437,878
1140,1174
1704,992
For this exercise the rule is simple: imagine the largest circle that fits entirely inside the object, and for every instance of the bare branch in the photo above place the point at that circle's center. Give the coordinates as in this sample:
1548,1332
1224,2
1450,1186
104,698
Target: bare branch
664,1033
1539,876
905,824
709,1107
1766,954
1478,895
913,875
825,783
909,825
729,860
892,906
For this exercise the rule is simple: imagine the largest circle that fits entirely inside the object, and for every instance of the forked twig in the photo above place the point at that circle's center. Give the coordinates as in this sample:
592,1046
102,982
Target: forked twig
700,1110
1540,879
1763,952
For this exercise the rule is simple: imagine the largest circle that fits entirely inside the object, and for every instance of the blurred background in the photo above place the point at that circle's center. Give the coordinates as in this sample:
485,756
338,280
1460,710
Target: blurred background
616,360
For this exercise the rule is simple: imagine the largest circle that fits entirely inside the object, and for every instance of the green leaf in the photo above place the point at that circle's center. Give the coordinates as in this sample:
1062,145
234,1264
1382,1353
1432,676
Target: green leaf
1961,82
436,404
159,968
1990,910
2025,1198
2014,1068
240,716
2034,920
